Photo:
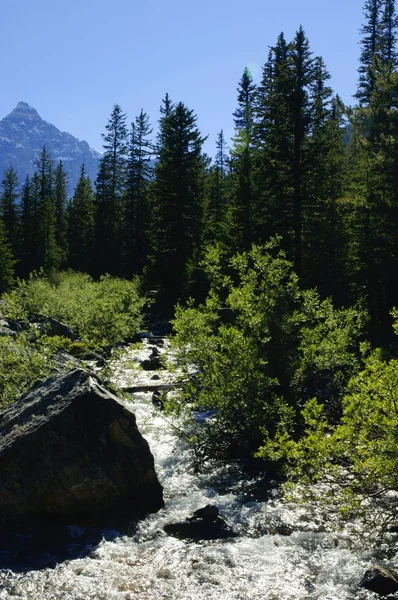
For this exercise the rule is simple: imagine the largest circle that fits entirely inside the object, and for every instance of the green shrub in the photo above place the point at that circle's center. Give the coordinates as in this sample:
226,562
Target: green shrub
101,313
262,346
23,361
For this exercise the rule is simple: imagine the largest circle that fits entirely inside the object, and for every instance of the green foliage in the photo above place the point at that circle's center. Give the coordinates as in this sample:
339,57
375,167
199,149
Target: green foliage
24,359
102,312
261,345
357,458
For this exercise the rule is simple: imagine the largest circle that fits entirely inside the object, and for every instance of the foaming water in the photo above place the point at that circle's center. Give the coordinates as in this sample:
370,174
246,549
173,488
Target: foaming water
305,563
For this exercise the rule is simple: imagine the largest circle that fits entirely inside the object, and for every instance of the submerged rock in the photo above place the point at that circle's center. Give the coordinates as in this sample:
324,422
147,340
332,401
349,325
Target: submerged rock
381,580
69,447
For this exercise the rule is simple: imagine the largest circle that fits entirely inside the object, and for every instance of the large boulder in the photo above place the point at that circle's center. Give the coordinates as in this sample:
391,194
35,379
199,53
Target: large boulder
70,448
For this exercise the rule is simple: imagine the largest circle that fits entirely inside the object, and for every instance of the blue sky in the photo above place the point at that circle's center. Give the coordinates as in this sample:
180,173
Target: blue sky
73,60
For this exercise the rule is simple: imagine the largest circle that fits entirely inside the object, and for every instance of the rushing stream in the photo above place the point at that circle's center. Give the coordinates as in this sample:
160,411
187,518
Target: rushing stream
258,564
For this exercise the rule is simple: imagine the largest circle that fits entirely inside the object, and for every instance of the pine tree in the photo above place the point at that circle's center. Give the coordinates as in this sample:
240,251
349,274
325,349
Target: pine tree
7,262
8,208
216,221
177,202
29,226
322,241
139,175
371,45
49,253
274,148
388,26
242,162
81,230
110,190
61,199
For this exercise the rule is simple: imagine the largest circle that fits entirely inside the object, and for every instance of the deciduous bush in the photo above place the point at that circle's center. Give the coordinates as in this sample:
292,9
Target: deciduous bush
102,313
262,346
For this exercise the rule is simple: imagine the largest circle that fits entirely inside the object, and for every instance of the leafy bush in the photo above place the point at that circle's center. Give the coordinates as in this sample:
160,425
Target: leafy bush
102,313
262,346
358,457
23,361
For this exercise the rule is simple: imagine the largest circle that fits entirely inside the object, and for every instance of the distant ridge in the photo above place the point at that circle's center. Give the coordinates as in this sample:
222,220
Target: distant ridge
23,134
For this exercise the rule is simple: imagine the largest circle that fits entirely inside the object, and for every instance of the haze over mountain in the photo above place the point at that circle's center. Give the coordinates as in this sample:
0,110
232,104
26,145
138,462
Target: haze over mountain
23,133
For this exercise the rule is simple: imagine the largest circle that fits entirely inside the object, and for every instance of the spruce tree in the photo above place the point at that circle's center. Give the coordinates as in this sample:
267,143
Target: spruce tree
110,193
388,26
61,200
7,262
273,147
139,175
177,202
49,253
216,217
81,229
372,37
242,162
9,209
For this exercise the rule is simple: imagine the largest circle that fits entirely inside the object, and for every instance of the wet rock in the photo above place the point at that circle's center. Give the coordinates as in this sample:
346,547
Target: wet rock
152,364
69,448
200,529
208,513
156,341
381,580
204,524
157,399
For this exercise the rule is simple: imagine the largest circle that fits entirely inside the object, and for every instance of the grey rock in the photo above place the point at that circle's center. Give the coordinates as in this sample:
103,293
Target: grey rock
23,133
53,327
70,448
380,580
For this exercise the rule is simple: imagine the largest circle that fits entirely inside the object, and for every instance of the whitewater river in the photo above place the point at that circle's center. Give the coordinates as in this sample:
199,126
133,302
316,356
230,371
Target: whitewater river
149,565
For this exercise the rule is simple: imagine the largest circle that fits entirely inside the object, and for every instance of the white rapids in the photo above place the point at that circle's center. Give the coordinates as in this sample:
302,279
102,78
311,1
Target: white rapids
308,564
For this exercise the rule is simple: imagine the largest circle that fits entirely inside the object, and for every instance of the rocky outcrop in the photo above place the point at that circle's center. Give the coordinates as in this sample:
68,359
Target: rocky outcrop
70,448
381,580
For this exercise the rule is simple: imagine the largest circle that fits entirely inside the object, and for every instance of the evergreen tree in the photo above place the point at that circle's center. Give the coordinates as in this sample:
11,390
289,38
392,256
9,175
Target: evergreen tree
273,147
110,189
139,175
7,261
322,241
49,253
372,34
216,217
61,199
388,26
82,225
242,162
29,226
8,208
177,202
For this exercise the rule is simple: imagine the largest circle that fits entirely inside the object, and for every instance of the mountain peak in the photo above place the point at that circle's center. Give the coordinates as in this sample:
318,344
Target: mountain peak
23,109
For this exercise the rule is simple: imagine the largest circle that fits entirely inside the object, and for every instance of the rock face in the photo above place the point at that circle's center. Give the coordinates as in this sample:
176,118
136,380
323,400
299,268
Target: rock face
381,580
23,133
69,448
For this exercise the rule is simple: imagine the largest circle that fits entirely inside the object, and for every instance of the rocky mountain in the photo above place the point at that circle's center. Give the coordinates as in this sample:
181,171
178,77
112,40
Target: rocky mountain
23,133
